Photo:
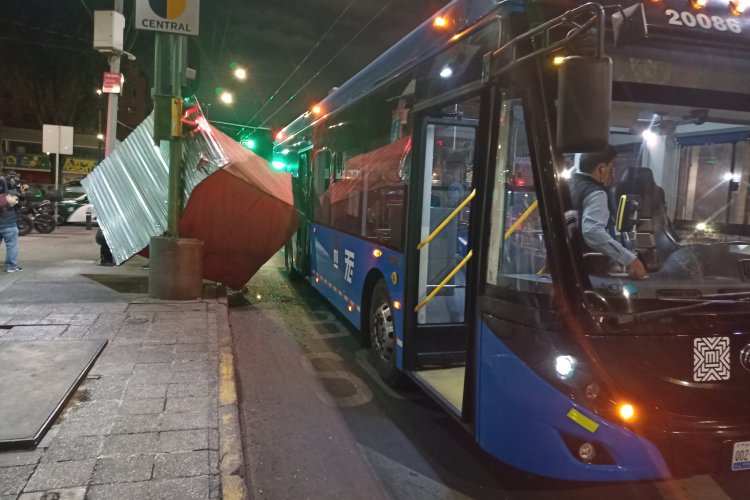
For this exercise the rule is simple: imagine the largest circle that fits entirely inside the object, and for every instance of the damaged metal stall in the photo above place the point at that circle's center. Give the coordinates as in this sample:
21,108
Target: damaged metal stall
232,201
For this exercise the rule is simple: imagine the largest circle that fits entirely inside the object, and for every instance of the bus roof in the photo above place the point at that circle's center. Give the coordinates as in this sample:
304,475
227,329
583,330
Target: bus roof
651,23
422,41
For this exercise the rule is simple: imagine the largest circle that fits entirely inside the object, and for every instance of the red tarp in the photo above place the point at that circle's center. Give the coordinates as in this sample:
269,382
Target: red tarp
243,213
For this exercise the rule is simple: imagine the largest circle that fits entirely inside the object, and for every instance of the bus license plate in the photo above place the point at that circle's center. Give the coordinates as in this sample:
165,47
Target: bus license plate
741,456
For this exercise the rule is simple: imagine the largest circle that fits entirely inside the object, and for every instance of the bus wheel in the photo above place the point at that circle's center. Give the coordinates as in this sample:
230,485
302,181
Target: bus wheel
382,335
291,272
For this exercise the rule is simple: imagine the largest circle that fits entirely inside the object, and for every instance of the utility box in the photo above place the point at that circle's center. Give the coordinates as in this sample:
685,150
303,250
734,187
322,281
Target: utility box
109,29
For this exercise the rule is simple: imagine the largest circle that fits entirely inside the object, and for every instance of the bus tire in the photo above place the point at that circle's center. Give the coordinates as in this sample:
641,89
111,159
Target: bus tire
25,224
382,335
291,272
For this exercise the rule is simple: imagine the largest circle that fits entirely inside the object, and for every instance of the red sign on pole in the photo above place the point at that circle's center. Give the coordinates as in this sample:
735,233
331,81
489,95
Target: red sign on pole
111,83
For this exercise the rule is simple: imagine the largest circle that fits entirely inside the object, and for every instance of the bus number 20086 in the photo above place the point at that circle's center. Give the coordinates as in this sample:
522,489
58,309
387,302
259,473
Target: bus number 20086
718,23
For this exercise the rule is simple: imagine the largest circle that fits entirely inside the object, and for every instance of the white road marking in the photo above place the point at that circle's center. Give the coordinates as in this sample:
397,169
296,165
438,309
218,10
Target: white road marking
363,358
362,393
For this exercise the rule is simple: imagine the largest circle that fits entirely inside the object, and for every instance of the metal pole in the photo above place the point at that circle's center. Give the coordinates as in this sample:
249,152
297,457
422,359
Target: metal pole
158,43
174,196
57,160
57,168
114,67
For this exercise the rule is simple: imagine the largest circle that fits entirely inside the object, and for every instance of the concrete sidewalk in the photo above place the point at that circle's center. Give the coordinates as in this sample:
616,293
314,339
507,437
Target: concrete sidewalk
156,415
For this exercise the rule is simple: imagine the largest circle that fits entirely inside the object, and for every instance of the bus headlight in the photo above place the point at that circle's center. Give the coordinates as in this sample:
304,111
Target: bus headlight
565,366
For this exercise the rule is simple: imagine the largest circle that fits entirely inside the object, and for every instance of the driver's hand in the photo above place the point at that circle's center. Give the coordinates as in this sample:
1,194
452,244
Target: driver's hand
637,270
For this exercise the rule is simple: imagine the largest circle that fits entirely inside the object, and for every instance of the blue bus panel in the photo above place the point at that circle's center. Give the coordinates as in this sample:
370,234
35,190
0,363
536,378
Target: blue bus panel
521,420
341,265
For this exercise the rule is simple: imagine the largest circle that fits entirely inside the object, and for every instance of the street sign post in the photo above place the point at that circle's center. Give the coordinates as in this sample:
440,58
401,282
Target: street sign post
111,83
59,140
172,19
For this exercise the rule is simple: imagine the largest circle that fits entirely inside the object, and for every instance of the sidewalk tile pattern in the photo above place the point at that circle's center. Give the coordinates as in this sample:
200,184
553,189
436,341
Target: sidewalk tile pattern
143,424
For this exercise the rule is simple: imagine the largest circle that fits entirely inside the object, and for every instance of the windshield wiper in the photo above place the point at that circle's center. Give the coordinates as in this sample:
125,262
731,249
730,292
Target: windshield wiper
648,316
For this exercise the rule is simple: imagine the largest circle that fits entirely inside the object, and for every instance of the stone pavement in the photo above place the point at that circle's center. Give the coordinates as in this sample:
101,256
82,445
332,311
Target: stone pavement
156,415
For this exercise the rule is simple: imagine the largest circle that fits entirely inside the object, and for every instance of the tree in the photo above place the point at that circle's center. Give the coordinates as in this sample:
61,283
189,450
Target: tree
49,68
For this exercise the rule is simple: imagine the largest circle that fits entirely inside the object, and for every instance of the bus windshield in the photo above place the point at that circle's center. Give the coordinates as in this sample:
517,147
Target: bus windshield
678,198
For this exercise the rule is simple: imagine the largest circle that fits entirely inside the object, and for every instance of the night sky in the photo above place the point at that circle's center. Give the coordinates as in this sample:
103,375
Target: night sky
272,38
269,38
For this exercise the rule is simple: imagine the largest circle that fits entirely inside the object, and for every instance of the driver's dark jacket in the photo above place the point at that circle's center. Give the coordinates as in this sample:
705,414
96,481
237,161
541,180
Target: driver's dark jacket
594,226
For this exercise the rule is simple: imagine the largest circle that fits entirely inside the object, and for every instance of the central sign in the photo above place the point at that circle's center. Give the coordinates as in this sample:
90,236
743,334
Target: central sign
171,16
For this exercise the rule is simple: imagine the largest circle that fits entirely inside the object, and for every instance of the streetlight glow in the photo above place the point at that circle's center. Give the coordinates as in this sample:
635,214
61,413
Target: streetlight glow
226,97
240,73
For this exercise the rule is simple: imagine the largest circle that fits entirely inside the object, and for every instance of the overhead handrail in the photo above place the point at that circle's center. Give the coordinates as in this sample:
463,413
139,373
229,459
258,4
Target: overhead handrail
445,280
521,219
447,219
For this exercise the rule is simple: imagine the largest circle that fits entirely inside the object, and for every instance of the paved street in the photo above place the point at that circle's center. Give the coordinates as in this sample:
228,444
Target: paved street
144,423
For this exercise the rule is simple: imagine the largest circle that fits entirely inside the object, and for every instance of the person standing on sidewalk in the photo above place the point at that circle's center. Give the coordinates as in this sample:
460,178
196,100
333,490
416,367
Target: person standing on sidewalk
9,229
105,253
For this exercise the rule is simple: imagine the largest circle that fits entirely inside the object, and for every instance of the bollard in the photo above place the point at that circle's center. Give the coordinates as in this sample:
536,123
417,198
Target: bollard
175,268
88,220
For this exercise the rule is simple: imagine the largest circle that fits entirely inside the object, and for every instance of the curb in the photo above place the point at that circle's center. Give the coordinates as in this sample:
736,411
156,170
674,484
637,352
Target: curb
231,458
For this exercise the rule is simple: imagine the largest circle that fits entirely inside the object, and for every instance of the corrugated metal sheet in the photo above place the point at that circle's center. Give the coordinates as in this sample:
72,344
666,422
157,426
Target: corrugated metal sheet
129,188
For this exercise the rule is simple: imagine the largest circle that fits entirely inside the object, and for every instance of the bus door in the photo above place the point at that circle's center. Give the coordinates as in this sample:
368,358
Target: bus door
297,249
444,255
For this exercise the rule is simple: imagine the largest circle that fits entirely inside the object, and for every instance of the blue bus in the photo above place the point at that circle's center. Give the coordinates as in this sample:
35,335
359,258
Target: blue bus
437,218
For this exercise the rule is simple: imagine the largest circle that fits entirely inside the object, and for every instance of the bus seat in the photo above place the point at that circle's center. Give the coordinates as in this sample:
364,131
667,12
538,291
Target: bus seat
654,238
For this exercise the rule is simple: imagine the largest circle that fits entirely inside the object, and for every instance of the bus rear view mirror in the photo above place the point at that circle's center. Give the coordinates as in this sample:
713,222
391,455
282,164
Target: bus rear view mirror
584,101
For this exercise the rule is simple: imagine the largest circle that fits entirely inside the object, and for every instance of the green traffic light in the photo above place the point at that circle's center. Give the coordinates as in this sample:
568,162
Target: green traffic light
248,143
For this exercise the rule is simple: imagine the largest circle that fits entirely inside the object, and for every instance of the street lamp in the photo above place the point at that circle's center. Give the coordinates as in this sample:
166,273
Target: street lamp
226,97
240,73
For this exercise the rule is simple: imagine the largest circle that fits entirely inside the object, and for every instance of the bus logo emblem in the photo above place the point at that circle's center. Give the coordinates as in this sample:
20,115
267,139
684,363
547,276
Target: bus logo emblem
745,357
349,261
711,359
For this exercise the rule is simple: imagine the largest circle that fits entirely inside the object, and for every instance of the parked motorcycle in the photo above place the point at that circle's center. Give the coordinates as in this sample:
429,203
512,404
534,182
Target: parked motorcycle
39,216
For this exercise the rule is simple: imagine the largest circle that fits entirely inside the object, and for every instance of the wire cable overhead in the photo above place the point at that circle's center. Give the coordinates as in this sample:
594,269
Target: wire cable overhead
304,59
329,61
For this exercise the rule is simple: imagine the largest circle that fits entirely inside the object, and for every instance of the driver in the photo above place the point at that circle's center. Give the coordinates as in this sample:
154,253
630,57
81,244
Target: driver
588,193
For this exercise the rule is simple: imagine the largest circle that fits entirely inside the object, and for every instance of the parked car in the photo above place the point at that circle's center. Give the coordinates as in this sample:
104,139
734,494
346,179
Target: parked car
72,189
73,211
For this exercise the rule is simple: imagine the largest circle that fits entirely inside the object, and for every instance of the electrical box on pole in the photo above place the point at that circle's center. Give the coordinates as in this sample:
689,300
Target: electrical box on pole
109,26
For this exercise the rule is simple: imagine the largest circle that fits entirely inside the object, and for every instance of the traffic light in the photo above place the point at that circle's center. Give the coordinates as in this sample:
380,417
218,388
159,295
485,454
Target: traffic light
259,141
249,143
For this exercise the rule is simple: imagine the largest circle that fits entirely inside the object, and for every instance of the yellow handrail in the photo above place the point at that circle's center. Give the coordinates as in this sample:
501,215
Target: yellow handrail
521,219
447,219
442,283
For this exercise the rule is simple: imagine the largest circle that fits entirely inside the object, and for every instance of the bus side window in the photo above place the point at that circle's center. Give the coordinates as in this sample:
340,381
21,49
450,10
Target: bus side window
337,167
517,252
322,170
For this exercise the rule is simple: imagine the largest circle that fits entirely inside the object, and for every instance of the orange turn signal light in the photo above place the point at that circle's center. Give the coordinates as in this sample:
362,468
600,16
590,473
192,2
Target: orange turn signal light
626,412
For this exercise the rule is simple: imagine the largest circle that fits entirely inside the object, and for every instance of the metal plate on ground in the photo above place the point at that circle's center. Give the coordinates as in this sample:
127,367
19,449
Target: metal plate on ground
36,379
